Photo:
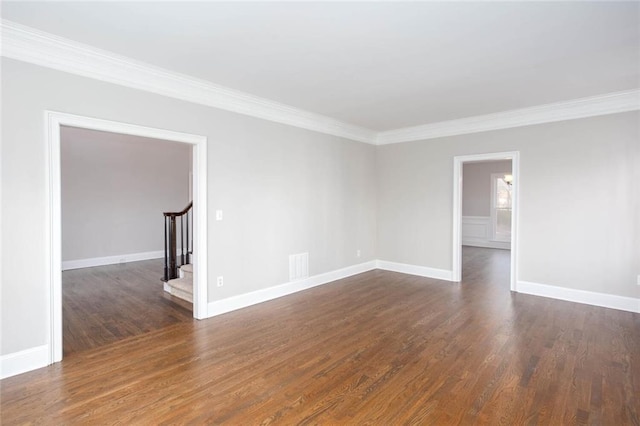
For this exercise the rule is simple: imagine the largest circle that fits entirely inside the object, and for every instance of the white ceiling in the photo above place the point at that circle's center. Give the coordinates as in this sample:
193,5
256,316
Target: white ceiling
377,65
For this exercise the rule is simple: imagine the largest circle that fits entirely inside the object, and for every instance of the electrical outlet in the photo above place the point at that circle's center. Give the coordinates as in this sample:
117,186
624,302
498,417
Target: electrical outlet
218,214
638,280
220,282
358,253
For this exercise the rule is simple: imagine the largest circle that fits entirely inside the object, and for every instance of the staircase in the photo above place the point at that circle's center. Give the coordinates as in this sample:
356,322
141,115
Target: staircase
178,281
182,287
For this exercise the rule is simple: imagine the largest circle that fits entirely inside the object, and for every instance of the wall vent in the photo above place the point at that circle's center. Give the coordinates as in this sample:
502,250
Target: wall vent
298,266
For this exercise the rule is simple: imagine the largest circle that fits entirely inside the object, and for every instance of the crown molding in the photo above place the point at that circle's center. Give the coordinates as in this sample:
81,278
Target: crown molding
609,103
29,45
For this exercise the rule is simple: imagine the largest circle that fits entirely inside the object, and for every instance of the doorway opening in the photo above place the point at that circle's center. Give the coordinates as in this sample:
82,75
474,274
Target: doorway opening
498,229
114,189
55,121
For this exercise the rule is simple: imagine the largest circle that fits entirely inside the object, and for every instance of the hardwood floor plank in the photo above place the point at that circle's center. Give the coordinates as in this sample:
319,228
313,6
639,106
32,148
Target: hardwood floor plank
379,348
105,304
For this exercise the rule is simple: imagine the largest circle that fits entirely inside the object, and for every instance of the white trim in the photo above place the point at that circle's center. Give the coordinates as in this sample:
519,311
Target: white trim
476,218
229,304
609,103
54,234
20,362
53,122
422,271
604,300
27,44
110,260
200,257
30,45
456,256
501,245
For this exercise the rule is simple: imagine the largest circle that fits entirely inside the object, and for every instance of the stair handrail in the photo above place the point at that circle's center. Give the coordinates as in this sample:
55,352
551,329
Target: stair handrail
170,246
180,213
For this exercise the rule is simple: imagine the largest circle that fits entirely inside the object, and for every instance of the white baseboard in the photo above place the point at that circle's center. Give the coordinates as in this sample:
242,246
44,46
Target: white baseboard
422,271
23,361
38,357
223,306
111,260
604,300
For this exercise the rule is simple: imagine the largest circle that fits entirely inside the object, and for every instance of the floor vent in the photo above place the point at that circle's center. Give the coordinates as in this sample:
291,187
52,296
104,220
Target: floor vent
298,266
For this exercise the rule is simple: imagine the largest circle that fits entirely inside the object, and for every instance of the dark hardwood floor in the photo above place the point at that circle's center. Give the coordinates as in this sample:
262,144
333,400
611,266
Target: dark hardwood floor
104,304
379,348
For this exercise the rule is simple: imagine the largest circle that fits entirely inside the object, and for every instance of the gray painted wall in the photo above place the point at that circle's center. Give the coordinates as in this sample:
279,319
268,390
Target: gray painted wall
286,190
476,186
579,219
114,190
283,190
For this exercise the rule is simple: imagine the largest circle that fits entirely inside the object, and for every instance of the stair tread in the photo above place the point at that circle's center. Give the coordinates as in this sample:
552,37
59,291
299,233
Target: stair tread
187,268
180,294
184,284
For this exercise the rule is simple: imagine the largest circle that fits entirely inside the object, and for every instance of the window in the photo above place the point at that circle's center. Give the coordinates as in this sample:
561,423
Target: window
501,206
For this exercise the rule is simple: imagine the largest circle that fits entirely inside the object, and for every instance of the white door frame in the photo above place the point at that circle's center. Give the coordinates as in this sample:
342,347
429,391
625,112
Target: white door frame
53,122
458,162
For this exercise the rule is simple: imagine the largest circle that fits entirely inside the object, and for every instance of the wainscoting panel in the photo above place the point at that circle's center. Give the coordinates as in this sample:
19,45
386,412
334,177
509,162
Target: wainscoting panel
476,232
